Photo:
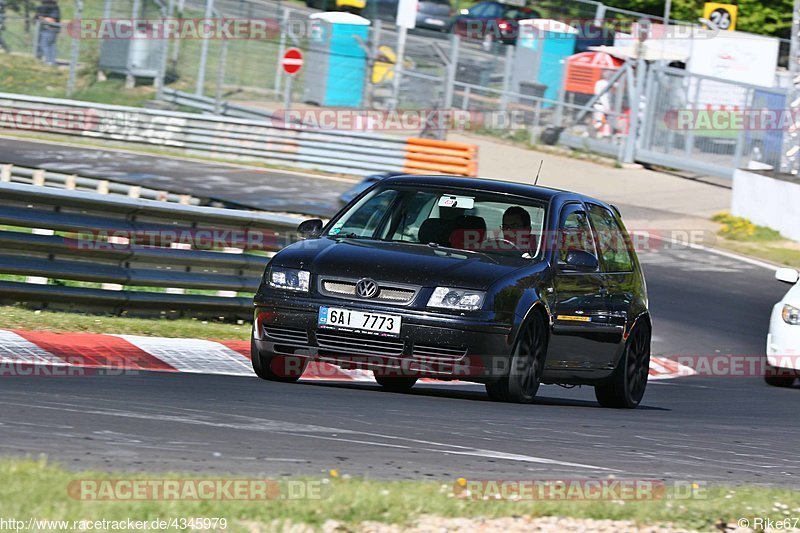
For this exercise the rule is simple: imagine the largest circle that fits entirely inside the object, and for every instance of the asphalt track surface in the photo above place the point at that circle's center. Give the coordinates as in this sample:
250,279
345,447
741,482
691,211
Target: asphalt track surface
271,190
715,429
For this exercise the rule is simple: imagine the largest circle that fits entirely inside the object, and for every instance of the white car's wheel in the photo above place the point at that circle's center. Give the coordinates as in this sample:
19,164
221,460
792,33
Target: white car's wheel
778,377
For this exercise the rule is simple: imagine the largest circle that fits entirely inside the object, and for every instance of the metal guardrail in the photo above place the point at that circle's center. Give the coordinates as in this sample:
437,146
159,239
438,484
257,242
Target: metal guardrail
214,106
73,182
104,252
343,152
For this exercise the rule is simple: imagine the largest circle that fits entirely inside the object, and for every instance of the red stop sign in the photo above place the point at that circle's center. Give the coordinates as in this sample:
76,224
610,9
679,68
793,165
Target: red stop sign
292,61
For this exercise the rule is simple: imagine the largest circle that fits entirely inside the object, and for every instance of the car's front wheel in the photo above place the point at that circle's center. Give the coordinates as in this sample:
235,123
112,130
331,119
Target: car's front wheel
396,384
627,385
524,376
272,367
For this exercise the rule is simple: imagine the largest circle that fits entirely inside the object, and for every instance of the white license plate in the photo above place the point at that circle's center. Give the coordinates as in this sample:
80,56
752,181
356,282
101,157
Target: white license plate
335,317
434,22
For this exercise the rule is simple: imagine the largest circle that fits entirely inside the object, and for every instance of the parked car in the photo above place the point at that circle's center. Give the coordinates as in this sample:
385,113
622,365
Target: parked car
431,14
492,282
491,22
434,15
783,339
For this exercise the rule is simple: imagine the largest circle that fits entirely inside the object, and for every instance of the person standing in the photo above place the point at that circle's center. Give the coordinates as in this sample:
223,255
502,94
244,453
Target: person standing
3,44
48,15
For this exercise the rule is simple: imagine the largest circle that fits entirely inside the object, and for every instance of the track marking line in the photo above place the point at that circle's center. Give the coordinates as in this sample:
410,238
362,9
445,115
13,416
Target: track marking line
723,253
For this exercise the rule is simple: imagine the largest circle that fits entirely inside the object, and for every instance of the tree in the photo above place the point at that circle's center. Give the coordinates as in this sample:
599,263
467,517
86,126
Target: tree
767,17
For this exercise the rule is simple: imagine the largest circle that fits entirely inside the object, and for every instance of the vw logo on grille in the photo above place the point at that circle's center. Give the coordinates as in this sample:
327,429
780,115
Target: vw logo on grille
367,288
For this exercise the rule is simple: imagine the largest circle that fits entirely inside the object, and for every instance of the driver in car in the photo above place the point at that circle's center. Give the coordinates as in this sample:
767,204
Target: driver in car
516,228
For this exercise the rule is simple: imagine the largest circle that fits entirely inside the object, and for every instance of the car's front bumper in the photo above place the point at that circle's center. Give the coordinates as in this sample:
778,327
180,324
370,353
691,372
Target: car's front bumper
432,22
439,345
783,342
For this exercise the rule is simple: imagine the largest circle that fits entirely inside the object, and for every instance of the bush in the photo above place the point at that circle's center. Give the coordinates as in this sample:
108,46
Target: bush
741,229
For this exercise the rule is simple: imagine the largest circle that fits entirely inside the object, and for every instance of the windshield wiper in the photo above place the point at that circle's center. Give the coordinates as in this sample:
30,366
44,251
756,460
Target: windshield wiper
436,246
352,235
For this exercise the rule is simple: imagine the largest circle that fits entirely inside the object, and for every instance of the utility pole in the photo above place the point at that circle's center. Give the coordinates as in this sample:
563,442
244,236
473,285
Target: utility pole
406,19
790,161
201,69
74,53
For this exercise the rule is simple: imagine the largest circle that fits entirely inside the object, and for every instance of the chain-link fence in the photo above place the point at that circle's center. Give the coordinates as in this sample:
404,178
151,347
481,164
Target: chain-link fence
711,124
440,71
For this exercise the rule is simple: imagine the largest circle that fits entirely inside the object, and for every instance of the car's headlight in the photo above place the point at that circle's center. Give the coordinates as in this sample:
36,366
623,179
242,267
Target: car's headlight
289,278
791,315
448,298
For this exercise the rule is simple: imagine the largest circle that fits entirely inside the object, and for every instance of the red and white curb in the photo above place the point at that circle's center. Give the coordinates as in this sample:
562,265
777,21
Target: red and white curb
230,358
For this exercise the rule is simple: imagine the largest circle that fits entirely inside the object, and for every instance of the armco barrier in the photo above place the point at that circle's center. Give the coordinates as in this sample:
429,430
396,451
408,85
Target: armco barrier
73,182
114,253
342,152
428,155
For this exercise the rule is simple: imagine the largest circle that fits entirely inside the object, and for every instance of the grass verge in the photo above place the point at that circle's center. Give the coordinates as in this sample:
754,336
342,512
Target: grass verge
21,74
39,489
15,317
740,235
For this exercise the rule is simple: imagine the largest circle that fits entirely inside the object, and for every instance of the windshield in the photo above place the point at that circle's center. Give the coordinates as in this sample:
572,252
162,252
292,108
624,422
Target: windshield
472,221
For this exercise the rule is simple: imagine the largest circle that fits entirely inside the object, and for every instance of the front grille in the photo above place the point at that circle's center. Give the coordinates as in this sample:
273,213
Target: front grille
438,353
287,335
340,343
388,292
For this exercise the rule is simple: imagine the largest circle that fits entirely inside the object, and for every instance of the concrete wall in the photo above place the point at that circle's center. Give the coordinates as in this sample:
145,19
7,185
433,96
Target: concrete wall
768,201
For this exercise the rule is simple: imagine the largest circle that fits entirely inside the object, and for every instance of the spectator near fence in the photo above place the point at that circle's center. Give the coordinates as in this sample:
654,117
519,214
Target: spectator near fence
3,44
48,15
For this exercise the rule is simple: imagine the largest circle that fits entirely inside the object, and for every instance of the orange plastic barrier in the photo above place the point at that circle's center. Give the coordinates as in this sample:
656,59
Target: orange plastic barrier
426,155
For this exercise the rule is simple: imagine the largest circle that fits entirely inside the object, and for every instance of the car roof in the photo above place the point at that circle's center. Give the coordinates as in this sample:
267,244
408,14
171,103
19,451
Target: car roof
485,184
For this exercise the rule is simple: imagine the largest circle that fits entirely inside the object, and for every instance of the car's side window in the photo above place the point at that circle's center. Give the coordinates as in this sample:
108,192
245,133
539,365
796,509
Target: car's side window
575,233
479,10
493,11
413,212
611,240
366,219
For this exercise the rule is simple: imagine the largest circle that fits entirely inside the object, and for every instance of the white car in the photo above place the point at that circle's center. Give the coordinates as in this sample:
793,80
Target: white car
783,340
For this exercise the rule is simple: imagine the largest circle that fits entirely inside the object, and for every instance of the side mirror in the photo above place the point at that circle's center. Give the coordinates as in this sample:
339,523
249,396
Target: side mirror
787,275
580,261
310,228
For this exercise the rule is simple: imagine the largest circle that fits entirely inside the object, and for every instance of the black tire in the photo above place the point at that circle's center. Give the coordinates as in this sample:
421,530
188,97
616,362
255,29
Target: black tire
550,135
396,384
271,367
626,387
524,376
778,377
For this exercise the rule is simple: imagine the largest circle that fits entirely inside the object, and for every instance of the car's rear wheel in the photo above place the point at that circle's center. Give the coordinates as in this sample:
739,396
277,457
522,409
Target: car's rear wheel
629,381
396,384
272,367
524,376
778,377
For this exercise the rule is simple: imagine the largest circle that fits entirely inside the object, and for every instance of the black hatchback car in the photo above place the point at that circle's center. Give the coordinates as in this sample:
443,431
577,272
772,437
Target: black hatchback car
498,283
